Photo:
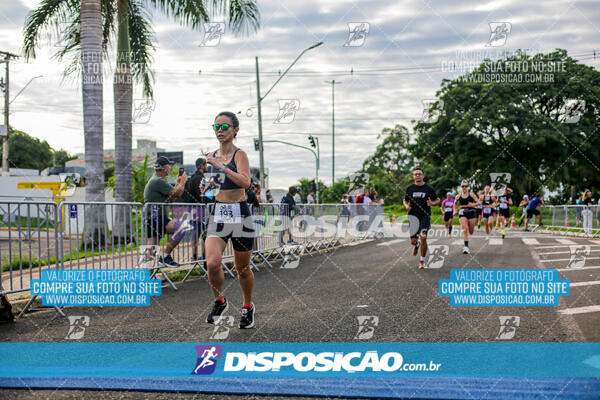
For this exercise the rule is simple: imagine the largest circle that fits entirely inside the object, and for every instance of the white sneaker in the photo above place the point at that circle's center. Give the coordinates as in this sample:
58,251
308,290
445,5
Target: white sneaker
466,250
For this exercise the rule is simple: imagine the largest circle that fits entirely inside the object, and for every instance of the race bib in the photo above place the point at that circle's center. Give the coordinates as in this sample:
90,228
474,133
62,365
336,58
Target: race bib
448,209
228,213
461,212
487,210
503,205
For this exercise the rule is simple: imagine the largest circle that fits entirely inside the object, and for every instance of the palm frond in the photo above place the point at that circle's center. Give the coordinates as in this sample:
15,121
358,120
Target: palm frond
244,17
141,42
50,14
190,13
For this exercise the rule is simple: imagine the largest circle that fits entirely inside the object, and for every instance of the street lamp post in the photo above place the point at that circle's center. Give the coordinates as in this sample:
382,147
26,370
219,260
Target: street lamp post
259,100
333,82
315,153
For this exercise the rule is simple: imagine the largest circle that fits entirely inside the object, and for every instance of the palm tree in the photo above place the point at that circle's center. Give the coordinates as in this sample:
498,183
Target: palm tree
135,43
91,84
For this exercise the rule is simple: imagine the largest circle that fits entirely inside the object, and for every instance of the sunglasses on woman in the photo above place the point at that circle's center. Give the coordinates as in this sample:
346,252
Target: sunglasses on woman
223,127
464,186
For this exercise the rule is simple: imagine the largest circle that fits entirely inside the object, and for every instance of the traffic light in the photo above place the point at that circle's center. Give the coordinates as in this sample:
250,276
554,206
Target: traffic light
311,139
256,145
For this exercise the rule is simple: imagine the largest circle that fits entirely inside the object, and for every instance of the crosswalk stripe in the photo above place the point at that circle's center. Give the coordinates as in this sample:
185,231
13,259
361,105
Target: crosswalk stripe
568,259
563,252
495,241
565,241
595,241
391,242
577,269
580,310
530,241
588,283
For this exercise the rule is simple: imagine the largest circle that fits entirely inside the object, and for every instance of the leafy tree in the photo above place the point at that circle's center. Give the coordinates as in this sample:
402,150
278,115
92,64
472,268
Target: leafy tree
515,127
27,151
60,157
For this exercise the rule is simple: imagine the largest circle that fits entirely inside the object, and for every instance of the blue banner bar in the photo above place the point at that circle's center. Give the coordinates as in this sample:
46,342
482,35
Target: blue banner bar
271,360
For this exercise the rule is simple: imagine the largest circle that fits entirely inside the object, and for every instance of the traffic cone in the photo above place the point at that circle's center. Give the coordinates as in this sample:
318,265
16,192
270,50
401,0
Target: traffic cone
394,219
512,222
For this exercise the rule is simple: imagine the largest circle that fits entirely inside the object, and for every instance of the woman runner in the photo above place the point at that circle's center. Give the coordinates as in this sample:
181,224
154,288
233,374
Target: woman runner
448,212
230,219
467,214
488,202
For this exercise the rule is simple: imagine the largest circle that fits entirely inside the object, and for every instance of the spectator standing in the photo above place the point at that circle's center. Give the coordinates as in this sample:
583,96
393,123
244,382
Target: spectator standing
298,195
288,205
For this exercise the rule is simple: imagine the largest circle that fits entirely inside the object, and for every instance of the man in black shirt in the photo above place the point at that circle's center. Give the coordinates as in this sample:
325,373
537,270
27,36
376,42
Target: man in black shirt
418,199
194,194
288,205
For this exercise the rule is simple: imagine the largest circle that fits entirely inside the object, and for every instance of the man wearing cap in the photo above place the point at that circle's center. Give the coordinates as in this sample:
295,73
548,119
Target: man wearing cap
194,193
158,190
297,196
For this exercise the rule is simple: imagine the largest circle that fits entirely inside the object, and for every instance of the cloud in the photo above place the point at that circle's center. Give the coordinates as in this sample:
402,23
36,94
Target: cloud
192,83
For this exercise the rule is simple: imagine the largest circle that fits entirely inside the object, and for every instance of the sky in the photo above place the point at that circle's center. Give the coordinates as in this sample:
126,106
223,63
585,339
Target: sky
385,77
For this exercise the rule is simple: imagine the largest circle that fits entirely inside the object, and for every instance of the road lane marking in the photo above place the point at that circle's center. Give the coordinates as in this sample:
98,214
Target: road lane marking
495,241
588,283
563,252
565,241
530,241
580,310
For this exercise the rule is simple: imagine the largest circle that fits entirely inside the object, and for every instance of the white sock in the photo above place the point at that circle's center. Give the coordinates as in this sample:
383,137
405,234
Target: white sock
422,258
165,255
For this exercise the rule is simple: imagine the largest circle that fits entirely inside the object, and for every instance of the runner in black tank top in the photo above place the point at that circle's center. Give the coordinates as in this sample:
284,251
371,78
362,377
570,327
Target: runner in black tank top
467,215
504,203
489,204
230,219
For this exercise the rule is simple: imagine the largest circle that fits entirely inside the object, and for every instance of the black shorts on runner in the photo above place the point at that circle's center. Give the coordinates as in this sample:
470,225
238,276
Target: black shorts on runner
468,213
448,215
424,225
505,212
241,234
531,213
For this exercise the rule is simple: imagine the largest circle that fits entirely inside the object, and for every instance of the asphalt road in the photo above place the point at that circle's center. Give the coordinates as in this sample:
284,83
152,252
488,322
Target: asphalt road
326,296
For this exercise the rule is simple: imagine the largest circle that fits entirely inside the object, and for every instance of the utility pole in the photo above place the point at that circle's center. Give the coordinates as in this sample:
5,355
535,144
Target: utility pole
5,86
259,100
333,82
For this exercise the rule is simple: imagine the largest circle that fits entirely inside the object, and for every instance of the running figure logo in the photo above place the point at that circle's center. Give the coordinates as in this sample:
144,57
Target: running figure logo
287,111
499,181
212,34
432,109
222,325
357,35
572,111
148,256
207,359
366,326
142,110
437,255
499,32
508,327
579,254
77,325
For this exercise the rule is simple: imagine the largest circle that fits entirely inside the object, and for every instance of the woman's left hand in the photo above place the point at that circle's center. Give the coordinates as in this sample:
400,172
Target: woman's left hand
215,162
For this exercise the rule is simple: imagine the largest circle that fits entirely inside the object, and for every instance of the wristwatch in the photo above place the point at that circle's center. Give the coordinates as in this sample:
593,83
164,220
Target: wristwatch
222,169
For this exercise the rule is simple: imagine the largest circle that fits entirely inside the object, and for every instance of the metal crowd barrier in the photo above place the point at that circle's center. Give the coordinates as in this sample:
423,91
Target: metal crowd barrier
92,235
578,219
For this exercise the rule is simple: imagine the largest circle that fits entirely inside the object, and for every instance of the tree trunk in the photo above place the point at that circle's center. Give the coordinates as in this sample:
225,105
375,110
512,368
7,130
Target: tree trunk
123,99
91,59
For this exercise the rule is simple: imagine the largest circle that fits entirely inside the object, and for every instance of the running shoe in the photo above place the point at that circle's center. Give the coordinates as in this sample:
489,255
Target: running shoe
247,320
466,250
168,261
416,248
449,235
422,264
503,233
218,309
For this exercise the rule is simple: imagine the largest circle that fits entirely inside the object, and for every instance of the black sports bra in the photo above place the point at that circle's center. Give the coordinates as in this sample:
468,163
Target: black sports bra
486,202
464,201
228,183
